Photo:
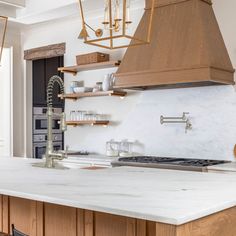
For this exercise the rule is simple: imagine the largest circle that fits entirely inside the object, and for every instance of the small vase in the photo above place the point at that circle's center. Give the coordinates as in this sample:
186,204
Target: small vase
106,83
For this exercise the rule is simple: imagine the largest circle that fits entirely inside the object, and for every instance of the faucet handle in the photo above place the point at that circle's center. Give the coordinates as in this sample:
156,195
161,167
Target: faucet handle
184,115
162,120
63,122
66,151
188,126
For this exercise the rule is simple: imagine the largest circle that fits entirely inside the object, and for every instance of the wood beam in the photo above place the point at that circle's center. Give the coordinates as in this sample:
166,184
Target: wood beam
49,51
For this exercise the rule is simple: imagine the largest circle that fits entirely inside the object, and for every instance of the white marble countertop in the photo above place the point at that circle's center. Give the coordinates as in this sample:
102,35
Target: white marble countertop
227,167
167,196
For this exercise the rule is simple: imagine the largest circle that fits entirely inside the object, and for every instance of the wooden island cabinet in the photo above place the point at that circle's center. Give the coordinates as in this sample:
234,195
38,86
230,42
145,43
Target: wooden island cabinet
45,219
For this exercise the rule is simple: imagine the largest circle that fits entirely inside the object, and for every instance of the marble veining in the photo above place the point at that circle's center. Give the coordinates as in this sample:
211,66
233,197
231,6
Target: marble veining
168,196
137,118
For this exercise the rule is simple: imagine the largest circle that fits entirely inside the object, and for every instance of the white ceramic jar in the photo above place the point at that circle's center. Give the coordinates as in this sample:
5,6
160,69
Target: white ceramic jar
106,83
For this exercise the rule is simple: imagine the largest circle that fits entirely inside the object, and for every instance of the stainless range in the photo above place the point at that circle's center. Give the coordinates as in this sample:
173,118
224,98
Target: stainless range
168,163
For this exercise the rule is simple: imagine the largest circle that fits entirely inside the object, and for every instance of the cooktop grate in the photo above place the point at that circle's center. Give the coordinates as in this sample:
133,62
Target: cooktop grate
171,161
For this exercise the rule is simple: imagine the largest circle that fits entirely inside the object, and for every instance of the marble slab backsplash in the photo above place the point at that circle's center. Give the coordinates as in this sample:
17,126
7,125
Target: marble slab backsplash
137,118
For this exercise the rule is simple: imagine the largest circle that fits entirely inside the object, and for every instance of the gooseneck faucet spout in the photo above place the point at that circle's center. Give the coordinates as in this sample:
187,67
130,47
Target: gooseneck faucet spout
51,154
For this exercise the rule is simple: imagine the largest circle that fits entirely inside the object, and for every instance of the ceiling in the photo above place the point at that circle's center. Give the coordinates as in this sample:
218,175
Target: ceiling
14,3
34,11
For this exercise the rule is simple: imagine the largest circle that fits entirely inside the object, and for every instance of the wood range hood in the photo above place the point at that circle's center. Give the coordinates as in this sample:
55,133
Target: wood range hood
186,49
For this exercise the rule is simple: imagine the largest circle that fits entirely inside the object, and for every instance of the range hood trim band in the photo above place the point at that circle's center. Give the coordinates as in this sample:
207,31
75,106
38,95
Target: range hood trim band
177,69
171,77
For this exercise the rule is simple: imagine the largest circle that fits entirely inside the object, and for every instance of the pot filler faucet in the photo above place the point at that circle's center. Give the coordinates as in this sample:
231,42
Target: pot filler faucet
51,154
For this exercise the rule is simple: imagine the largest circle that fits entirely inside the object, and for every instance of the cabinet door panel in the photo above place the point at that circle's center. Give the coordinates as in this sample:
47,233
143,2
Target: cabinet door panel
1,214
5,214
151,228
59,220
106,225
23,214
219,224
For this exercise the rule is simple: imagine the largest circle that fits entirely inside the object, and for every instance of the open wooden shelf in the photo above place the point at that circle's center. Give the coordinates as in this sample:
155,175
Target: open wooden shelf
88,122
75,96
94,66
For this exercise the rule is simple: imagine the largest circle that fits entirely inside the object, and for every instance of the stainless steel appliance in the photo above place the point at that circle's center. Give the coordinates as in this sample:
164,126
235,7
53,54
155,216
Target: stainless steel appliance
40,148
43,137
40,136
40,120
168,163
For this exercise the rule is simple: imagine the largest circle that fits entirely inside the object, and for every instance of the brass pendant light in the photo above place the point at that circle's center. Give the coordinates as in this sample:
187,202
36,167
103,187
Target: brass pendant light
113,32
3,28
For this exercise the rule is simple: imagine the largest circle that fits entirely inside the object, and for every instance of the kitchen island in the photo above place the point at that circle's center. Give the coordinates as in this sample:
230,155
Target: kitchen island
122,201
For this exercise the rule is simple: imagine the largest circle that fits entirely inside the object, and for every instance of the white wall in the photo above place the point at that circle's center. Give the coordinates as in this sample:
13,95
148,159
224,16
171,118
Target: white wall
137,117
13,39
5,103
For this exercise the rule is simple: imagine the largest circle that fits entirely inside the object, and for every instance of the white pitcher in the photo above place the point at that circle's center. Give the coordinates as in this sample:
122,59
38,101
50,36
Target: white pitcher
106,85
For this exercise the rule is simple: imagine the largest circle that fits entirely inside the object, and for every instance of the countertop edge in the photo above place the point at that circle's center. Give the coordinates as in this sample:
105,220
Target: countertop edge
148,217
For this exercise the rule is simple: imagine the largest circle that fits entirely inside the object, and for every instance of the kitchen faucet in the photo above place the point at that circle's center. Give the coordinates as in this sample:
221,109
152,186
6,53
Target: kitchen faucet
51,154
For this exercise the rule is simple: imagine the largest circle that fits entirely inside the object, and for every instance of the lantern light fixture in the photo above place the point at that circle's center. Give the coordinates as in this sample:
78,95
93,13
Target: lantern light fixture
3,29
114,30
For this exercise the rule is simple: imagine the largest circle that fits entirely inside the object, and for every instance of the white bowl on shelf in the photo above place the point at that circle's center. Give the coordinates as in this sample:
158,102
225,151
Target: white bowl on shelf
82,90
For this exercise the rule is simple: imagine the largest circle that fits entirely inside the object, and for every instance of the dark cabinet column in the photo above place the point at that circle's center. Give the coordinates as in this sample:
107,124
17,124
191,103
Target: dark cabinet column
43,70
39,83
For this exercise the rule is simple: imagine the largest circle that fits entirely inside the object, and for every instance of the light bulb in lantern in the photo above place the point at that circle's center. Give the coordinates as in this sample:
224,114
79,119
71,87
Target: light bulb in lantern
127,20
117,18
106,15
117,9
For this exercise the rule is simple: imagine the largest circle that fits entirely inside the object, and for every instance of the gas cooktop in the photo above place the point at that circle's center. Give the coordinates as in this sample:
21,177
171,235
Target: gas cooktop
168,163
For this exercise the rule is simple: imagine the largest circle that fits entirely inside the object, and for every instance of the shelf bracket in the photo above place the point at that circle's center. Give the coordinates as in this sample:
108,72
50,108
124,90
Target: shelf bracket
73,72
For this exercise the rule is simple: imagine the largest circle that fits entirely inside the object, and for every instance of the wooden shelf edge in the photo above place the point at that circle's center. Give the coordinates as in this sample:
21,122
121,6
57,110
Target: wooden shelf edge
75,96
92,123
94,66
64,70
